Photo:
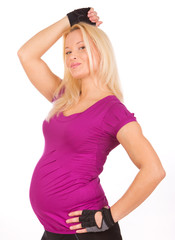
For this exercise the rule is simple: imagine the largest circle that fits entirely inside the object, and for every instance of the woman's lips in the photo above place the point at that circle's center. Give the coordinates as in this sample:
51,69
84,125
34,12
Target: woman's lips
75,65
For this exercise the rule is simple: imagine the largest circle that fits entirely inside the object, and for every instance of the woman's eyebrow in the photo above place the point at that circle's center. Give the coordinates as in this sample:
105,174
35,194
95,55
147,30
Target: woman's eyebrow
76,43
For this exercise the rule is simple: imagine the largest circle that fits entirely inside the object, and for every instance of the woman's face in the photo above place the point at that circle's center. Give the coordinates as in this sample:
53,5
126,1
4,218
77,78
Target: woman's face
77,59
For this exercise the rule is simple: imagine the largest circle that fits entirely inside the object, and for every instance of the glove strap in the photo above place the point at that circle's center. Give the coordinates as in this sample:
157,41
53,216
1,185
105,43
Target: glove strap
107,217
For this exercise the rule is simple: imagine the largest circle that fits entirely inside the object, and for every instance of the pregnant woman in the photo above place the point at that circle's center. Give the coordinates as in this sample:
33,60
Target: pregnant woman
88,119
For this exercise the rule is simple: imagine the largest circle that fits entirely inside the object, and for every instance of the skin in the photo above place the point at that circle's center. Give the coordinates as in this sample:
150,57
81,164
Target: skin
138,148
75,52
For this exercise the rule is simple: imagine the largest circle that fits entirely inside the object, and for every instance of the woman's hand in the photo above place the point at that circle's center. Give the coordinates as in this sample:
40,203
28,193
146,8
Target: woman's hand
91,220
97,216
92,15
87,15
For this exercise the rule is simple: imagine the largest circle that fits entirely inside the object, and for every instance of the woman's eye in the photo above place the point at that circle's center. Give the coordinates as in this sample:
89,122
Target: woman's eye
82,47
67,53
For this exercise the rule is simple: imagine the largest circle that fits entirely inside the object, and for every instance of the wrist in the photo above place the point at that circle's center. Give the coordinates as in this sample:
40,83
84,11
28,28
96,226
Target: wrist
113,214
66,22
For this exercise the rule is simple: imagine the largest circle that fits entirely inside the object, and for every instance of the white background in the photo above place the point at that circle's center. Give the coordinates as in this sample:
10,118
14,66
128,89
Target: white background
142,34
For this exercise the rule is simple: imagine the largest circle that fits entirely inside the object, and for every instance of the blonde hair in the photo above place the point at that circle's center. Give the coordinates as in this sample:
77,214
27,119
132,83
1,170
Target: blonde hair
106,76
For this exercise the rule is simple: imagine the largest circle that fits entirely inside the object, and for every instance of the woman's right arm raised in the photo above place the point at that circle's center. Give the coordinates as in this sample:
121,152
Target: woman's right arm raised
30,54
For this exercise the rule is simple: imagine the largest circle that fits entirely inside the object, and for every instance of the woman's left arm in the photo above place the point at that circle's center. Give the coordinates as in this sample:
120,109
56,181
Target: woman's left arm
151,171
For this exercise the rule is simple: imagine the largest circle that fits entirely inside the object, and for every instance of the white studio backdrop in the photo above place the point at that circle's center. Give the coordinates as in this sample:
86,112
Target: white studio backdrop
142,35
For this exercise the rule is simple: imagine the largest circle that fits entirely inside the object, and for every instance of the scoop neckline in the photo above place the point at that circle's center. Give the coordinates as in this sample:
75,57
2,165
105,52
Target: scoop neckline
63,117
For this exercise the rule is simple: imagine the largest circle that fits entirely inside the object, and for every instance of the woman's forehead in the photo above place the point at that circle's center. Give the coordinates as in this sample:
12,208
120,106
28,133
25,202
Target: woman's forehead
75,35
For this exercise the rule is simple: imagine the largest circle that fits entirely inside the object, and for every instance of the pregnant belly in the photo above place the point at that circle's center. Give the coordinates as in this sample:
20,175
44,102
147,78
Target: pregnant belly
55,191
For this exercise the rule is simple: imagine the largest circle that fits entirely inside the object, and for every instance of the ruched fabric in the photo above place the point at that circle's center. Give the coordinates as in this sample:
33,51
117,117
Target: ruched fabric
66,177
116,117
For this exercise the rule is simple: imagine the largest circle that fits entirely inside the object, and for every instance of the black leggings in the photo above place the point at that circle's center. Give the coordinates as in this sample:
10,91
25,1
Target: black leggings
112,233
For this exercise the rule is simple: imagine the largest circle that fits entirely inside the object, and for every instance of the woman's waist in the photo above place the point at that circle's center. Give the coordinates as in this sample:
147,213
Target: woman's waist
89,193
64,196
54,216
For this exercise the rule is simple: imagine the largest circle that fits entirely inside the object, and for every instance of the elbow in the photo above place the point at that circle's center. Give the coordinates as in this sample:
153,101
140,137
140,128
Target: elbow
23,56
159,174
162,174
156,173
19,53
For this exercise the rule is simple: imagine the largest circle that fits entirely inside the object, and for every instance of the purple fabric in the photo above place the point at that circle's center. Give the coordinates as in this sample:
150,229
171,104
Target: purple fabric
66,177
59,94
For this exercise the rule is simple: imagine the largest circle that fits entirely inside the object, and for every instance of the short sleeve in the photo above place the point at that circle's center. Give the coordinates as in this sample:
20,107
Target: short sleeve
116,117
59,94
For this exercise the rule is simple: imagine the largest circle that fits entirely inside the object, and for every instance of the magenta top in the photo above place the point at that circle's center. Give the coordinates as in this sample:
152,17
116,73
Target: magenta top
66,177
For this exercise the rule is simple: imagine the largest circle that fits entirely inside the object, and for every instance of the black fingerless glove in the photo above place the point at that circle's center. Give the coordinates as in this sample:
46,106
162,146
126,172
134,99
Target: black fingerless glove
87,220
79,15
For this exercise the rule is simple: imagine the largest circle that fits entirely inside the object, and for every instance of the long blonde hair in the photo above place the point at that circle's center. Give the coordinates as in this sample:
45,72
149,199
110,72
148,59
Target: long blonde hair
106,76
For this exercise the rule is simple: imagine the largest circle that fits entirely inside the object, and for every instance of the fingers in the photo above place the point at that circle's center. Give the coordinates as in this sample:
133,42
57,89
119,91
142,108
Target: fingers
92,15
73,227
71,220
98,23
81,231
92,9
94,19
77,226
75,213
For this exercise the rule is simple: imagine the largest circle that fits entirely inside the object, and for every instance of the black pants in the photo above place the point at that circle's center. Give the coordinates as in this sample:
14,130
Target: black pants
112,233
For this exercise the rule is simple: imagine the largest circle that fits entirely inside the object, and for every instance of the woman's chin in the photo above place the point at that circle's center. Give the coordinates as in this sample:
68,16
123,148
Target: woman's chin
79,76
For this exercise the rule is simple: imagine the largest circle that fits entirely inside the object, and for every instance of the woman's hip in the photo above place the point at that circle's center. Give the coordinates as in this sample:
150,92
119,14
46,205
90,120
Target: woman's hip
112,233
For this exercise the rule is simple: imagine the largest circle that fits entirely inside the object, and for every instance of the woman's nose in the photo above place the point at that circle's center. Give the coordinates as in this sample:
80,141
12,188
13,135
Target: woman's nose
73,55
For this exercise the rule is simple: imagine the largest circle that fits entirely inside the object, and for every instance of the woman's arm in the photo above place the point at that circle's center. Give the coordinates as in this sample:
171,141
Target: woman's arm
30,54
151,171
43,40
